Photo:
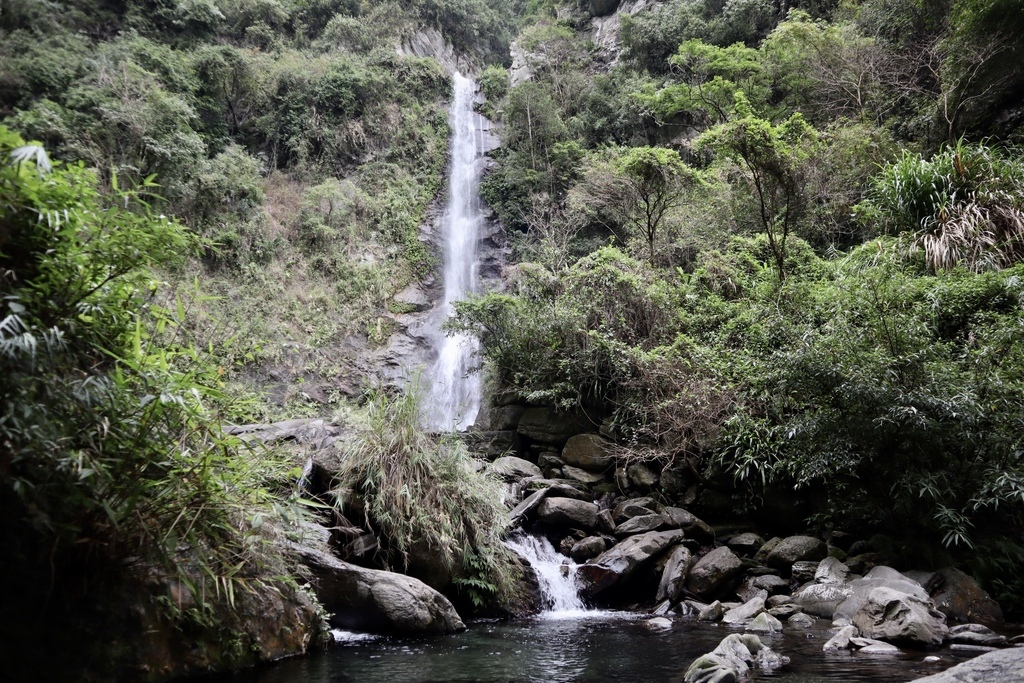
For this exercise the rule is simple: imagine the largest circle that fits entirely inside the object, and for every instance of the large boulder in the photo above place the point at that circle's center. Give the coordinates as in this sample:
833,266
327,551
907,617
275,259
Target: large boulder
831,570
640,524
745,612
634,507
745,544
618,563
976,634
547,426
527,505
587,548
695,528
1001,665
713,573
376,601
796,549
568,512
960,598
582,476
879,577
673,576
821,599
511,468
588,452
899,617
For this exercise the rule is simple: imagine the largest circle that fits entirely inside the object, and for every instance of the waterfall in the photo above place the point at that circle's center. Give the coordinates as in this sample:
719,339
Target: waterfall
454,387
555,573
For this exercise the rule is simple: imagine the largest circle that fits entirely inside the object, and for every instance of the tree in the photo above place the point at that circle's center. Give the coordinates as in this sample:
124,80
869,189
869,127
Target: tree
832,69
636,188
774,158
710,77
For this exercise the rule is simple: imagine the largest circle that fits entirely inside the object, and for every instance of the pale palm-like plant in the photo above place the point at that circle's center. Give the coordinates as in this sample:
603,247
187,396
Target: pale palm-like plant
964,206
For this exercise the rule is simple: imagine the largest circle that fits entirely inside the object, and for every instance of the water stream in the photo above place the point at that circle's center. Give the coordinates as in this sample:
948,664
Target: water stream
453,386
556,575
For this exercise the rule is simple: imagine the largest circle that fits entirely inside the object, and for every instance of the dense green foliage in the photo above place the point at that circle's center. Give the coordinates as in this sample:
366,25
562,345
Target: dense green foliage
834,305
244,193
113,458
779,242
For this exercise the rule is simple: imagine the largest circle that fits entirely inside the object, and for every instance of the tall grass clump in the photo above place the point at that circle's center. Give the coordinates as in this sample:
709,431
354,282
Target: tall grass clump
422,495
964,206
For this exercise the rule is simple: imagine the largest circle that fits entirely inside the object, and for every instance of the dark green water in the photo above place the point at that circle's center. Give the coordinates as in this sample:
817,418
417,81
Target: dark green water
615,647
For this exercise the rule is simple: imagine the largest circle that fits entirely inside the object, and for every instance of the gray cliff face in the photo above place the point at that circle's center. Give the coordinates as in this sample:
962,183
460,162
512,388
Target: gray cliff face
428,42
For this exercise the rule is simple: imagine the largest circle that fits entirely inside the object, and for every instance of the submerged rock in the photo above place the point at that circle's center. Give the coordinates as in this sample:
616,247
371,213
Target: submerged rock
801,620
841,640
712,612
745,612
733,659
766,623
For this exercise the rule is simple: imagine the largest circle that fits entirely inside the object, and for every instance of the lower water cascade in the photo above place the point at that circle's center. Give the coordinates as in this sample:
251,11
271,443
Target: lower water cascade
454,387
556,575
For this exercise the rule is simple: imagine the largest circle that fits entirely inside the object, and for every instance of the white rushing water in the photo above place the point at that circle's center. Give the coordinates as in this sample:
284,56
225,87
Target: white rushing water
556,574
454,387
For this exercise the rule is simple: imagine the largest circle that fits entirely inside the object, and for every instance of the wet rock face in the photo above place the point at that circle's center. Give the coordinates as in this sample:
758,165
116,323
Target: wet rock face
673,576
960,598
548,426
617,565
602,8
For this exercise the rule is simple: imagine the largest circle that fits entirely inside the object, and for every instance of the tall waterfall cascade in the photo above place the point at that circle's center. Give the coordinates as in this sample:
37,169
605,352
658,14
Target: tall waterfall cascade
454,387
556,574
